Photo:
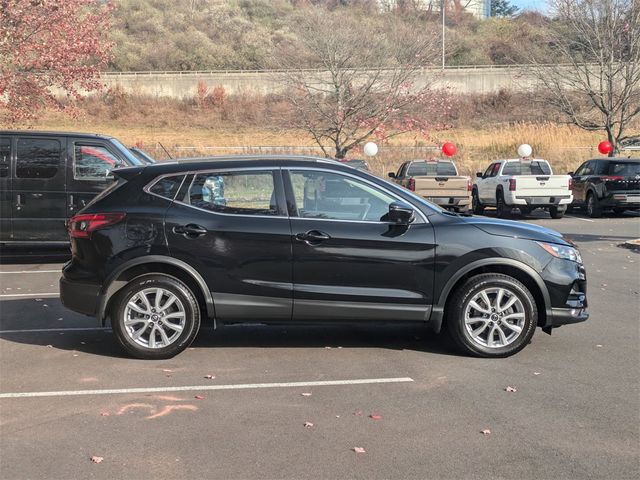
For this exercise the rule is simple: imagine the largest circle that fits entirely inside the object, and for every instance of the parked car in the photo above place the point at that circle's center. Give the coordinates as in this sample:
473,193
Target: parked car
436,180
525,184
607,183
356,163
304,240
47,177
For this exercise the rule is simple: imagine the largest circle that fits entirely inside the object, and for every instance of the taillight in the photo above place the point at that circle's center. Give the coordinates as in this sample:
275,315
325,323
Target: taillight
570,183
81,226
512,184
412,185
469,185
612,178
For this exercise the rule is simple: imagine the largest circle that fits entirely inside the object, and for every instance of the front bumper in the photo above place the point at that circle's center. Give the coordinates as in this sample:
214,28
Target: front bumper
566,282
566,316
81,297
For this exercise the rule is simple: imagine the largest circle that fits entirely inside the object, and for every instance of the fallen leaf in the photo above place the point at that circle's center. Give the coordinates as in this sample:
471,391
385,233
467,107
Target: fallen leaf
603,285
306,394
167,370
199,397
599,346
308,424
359,450
358,413
45,305
38,299
75,354
95,459
485,432
60,319
328,348
210,377
511,389
104,414
337,416
375,417
536,373
49,346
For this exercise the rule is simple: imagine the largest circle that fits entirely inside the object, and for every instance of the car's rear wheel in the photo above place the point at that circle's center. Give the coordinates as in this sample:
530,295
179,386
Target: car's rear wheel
156,316
502,210
593,207
556,212
491,315
476,205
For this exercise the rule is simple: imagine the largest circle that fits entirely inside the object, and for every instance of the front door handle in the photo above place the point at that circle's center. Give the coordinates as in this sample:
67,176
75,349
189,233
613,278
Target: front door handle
190,231
312,236
19,202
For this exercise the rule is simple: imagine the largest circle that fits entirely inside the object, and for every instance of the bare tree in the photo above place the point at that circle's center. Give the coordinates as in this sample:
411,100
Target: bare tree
595,81
366,79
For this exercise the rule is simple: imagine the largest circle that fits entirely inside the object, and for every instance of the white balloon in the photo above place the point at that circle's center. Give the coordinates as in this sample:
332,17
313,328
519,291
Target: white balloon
525,150
370,149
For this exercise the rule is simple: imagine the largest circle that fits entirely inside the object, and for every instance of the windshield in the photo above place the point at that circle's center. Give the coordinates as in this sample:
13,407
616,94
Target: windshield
132,160
445,169
142,155
624,169
534,167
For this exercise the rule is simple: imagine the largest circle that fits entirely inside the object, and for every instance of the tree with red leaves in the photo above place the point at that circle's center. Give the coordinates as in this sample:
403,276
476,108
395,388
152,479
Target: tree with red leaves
50,48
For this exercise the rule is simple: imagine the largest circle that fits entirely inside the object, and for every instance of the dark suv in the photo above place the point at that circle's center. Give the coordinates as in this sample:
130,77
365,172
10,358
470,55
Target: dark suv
603,183
295,239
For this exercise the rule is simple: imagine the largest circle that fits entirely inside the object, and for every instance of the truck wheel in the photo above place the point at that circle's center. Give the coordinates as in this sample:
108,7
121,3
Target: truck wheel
525,210
593,207
556,212
155,316
477,207
491,315
502,210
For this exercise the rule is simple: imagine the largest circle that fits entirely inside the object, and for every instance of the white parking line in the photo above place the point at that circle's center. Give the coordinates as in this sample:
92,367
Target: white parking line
578,218
69,329
241,386
33,271
31,295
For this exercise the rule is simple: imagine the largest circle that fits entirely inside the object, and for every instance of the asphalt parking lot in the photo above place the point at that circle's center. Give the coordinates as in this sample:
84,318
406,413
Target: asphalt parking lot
68,394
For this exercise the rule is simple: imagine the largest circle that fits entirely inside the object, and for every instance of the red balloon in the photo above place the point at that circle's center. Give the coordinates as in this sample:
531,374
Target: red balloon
605,147
449,149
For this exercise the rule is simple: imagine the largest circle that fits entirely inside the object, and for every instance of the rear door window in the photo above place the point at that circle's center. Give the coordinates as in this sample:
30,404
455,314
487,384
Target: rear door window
38,157
5,156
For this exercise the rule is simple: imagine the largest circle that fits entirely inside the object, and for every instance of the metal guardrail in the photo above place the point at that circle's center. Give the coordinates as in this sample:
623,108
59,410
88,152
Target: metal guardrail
314,70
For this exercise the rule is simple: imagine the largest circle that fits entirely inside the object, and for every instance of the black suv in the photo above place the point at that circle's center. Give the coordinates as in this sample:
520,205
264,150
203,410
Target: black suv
603,183
295,239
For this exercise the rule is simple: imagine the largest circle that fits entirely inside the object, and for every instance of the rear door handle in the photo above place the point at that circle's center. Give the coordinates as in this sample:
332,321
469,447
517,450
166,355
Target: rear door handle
312,236
190,231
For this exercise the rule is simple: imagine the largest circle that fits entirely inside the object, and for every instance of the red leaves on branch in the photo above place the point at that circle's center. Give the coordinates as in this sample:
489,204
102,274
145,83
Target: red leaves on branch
50,49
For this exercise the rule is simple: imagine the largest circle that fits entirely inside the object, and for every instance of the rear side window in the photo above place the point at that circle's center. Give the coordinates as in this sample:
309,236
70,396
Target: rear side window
624,169
167,187
246,193
526,168
5,156
445,169
37,157
93,162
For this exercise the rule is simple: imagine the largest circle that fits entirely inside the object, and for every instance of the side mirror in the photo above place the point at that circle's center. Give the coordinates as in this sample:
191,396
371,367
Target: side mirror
570,173
479,174
401,213
391,175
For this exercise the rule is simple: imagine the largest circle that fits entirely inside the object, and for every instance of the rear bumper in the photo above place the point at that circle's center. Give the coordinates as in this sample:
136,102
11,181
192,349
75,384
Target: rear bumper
539,201
450,201
81,297
627,200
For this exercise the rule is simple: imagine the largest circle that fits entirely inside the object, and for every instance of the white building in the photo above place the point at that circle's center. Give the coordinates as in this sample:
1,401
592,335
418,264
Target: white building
479,8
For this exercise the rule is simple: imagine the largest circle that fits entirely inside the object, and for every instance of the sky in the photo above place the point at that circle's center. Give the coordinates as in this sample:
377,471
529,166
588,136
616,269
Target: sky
530,4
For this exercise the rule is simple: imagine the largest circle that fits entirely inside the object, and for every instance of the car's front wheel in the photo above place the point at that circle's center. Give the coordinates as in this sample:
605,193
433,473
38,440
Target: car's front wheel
491,315
476,205
155,316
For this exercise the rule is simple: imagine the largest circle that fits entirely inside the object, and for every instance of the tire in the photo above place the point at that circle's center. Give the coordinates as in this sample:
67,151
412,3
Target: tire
145,321
569,209
476,205
556,212
593,208
525,211
511,341
502,210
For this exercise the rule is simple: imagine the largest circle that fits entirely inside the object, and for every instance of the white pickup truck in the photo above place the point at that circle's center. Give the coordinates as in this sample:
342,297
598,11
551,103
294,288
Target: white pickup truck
525,184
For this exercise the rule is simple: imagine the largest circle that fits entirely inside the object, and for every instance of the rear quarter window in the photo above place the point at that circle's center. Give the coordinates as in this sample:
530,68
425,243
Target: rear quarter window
167,187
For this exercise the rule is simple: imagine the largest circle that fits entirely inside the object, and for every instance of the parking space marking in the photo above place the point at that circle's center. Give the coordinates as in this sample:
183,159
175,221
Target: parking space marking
70,329
583,219
32,271
31,295
240,386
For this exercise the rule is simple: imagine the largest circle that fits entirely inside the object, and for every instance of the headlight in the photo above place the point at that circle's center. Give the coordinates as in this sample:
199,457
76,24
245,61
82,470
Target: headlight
561,251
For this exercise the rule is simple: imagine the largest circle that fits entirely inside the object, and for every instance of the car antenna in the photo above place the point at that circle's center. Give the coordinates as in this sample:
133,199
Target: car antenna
166,151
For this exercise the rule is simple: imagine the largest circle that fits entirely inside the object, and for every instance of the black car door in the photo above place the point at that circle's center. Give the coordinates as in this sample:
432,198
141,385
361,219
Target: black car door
5,188
580,179
39,197
232,226
348,263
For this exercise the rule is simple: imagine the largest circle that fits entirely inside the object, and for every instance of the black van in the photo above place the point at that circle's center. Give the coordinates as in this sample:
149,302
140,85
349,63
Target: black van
46,177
